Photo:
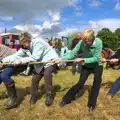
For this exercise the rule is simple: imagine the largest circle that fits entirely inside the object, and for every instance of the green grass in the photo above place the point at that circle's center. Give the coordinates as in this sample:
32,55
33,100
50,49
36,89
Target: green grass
77,110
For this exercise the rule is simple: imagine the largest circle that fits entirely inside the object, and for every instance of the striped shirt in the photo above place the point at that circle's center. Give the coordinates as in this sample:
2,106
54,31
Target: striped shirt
5,51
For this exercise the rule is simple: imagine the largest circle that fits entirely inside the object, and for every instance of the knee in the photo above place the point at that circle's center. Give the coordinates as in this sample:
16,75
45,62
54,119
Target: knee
4,76
47,73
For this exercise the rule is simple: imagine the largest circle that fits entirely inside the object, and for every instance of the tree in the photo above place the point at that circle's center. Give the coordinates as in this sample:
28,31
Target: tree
117,33
110,40
70,38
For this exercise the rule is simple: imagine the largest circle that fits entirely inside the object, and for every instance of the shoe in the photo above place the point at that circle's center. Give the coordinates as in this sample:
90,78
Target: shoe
49,98
12,96
33,100
91,108
62,104
109,97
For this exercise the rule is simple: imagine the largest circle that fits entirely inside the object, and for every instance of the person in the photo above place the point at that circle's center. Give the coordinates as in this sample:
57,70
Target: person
36,49
115,64
64,52
91,48
55,47
74,43
47,40
5,76
12,45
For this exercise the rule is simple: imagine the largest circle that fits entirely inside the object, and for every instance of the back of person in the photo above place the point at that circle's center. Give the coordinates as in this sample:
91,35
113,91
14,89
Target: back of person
48,52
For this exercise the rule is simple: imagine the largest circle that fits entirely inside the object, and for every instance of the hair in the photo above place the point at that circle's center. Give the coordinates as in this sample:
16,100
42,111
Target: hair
12,41
24,37
88,34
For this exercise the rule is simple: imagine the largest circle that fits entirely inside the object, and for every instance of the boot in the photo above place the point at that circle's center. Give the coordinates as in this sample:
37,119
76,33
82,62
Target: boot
49,98
34,89
12,96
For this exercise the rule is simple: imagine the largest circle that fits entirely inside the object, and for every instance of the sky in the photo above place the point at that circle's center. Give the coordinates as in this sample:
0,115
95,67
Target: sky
59,17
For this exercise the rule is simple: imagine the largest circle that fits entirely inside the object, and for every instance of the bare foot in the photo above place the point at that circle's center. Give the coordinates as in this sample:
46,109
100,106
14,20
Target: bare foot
109,97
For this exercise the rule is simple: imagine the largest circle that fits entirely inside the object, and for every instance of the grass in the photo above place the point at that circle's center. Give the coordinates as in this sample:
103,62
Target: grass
77,110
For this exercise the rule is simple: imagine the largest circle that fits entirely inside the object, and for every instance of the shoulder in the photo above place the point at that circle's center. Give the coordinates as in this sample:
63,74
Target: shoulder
98,40
37,39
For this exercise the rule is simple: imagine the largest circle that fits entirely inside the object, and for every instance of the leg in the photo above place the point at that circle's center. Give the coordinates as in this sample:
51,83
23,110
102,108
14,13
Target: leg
79,67
96,87
48,84
70,95
34,88
73,68
115,87
10,86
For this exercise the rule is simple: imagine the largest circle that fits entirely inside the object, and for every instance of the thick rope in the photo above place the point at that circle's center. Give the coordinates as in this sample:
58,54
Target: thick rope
45,62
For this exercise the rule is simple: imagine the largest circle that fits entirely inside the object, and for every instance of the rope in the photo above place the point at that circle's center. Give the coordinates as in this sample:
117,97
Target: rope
45,62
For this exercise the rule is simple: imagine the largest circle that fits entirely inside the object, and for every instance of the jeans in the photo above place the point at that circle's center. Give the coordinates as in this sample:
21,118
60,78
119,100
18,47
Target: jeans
115,87
74,65
5,75
85,72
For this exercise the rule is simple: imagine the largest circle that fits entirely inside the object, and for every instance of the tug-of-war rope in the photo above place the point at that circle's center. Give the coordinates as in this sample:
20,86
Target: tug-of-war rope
45,62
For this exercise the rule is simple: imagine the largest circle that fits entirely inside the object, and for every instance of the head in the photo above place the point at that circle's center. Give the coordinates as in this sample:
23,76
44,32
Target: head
79,35
63,44
46,40
25,39
53,43
88,37
12,43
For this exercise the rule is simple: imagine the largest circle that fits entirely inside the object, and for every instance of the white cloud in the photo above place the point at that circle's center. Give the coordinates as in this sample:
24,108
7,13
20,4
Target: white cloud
112,24
47,29
73,2
55,15
27,10
68,31
78,11
117,6
6,18
95,3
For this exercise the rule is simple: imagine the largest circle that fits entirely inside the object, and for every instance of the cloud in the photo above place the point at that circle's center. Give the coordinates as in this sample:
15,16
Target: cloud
47,29
27,10
95,3
67,31
117,6
6,18
78,11
112,24
55,15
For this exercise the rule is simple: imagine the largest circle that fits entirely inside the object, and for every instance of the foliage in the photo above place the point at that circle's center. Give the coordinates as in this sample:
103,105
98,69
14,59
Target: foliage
117,33
110,40
70,38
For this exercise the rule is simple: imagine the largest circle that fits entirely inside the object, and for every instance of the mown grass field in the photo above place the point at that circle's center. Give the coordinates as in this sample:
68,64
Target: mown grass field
77,110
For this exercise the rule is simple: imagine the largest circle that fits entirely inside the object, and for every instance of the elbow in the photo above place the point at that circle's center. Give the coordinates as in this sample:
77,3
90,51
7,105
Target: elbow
36,58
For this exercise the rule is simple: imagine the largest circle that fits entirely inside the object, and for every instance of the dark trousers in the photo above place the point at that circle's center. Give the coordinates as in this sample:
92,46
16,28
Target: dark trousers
85,72
74,69
47,74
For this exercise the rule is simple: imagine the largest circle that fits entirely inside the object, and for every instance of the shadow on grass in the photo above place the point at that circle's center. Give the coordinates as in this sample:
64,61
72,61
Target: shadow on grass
107,84
22,92
69,96
56,88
